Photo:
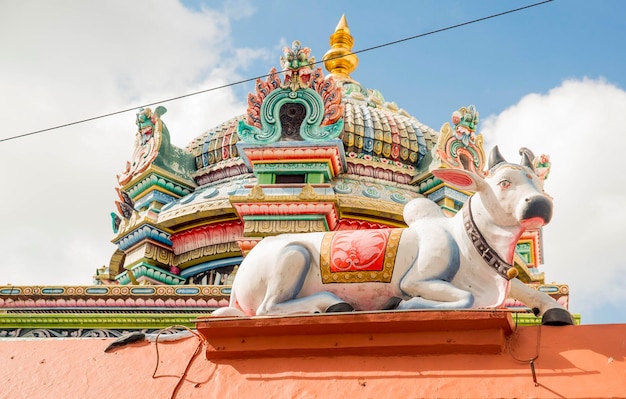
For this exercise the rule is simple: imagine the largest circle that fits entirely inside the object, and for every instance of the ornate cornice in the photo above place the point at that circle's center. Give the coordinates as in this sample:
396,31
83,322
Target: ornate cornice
103,297
375,189
160,255
307,194
524,273
296,210
185,214
532,238
378,211
329,151
296,167
139,182
222,170
360,224
379,170
135,220
97,320
267,227
205,235
154,180
207,253
144,232
145,272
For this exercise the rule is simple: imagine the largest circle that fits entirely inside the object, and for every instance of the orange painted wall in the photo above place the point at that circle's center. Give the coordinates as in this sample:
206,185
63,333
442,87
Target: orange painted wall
574,362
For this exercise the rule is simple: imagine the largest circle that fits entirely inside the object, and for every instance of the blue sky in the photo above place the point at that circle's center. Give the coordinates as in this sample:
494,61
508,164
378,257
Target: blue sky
491,63
549,77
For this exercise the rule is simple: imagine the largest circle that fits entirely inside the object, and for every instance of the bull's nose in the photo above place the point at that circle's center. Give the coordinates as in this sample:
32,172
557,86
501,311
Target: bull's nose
538,207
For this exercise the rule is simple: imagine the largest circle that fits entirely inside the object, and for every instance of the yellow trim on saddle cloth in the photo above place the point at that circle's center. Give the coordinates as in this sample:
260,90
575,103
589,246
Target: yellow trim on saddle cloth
359,276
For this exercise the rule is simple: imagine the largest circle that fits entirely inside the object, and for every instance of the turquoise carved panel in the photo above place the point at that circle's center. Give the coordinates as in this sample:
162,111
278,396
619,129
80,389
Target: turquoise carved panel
271,128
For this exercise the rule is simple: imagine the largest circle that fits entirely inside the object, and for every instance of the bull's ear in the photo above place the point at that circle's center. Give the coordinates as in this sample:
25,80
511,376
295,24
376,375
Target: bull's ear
459,178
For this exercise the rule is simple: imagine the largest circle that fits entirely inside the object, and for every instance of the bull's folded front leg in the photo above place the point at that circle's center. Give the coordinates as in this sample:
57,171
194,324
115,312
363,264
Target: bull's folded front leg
427,283
281,295
435,294
320,302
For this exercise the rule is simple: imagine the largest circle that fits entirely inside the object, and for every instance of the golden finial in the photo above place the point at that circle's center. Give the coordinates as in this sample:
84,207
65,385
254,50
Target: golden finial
339,60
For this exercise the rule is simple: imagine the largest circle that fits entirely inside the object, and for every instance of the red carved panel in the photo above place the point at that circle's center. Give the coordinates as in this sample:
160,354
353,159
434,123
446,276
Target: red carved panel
203,236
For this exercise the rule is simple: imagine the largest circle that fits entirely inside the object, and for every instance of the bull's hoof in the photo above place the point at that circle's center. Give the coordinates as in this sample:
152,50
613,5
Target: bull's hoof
392,303
557,317
339,307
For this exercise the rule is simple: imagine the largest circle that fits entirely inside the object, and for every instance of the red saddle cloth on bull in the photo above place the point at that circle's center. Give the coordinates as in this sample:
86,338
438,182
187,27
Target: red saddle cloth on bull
357,256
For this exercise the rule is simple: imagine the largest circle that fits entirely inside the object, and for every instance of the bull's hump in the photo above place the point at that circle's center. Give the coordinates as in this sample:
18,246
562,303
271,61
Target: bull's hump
420,208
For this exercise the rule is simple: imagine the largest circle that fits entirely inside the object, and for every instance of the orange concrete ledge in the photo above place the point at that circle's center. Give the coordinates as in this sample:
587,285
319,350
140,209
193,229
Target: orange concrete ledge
587,361
372,333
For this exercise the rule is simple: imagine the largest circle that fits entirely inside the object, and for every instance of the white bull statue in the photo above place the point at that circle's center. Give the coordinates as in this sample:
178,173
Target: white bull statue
438,262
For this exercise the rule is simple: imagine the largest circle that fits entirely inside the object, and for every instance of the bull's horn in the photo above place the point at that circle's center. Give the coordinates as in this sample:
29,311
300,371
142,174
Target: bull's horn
495,157
527,162
527,157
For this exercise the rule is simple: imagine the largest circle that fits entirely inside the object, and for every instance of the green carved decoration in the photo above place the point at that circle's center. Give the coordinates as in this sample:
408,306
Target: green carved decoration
305,106
271,130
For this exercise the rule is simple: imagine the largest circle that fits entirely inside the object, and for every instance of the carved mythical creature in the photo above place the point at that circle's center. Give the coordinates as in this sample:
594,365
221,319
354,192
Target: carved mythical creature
465,121
147,142
297,66
146,121
125,205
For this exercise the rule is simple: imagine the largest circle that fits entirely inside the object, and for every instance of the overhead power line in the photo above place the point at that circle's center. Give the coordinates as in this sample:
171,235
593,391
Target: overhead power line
266,75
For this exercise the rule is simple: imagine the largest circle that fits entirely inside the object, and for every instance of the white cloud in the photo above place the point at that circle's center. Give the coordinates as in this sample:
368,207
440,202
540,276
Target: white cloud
67,60
579,124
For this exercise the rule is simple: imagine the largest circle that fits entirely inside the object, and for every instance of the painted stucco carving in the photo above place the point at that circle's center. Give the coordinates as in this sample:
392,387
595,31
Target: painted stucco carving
461,146
147,142
319,100
296,63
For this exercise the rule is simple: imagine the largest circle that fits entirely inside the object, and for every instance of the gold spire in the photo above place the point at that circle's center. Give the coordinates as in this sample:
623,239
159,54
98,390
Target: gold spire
339,60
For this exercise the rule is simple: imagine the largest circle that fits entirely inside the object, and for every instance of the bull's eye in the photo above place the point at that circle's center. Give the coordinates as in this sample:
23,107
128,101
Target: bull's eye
504,184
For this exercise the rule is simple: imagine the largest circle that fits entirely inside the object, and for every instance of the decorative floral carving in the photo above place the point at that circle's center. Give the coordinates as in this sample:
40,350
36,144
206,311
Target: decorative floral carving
263,88
331,96
308,193
256,193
